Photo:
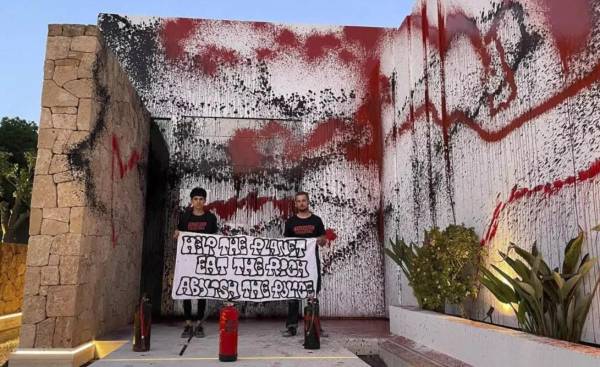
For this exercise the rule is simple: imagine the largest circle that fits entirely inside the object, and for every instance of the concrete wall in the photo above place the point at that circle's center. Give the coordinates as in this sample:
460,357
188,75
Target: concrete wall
83,261
496,126
479,344
12,277
255,111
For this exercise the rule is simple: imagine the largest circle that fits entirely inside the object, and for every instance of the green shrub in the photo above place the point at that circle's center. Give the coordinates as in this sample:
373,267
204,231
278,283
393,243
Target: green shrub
444,269
546,302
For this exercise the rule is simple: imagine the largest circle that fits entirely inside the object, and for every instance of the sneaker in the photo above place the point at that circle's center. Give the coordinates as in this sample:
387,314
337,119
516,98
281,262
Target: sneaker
187,331
291,331
199,332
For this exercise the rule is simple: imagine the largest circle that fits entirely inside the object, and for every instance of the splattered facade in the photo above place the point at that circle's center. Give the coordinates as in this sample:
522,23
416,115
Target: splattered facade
482,113
254,112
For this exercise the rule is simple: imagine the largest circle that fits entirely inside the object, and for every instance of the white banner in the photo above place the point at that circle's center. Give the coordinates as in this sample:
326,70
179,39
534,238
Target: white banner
244,268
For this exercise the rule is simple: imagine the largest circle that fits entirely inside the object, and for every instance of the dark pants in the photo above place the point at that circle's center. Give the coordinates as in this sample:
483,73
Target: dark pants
294,304
187,309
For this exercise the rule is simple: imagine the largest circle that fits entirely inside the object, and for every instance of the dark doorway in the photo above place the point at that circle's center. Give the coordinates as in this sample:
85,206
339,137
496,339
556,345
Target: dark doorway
154,225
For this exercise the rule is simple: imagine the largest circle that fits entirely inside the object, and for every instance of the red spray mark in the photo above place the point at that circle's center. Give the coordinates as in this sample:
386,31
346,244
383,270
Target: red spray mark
330,235
570,23
209,59
124,166
317,45
226,209
173,35
547,189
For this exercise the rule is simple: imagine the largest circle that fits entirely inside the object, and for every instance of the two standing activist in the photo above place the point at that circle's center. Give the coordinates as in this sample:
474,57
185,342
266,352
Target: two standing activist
195,219
303,224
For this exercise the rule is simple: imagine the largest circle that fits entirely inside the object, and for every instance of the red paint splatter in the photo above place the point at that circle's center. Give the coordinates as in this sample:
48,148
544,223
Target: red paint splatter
346,56
330,235
124,166
264,54
547,189
131,162
287,39
367,37
317,45
174,33
226,209
570,24
211,57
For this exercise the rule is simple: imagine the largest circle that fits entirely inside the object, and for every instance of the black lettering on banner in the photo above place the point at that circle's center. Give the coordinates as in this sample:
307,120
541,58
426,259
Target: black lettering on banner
287,268
210,265
248,266
198,245
290,289
255,289
208,288
232,246
278,247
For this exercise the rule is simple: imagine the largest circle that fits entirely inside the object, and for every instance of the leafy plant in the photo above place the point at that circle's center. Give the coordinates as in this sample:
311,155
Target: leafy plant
15,194
444,269
546,302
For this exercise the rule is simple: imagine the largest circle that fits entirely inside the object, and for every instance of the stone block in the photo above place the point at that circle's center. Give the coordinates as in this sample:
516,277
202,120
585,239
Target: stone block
43,290
49,275
57,47
61,300
62,138
27,336
63,177
46,119
34,309
72,60
38,250
69,269
92,30
81,88
59,214
85,44
43,194
46,137
71,194
45,333
53,260
63,332
59,163
32,281
48,69
76,138
64,121
35,221
63,74
72,30
54,227
54,29
67,110
68,244
86,66
42,162
76,220
86,115
53,95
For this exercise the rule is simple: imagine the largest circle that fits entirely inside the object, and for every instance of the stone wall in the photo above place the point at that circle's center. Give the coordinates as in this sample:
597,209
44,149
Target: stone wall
87,206
12,276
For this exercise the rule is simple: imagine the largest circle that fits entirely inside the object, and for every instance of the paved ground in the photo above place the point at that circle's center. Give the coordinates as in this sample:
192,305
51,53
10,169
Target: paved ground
260,344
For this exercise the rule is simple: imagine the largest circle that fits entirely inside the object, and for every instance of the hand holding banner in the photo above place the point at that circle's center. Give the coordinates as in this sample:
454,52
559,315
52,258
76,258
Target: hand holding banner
244,268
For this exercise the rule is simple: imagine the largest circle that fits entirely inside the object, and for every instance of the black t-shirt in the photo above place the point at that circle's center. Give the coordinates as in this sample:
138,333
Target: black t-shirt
304,227
205,223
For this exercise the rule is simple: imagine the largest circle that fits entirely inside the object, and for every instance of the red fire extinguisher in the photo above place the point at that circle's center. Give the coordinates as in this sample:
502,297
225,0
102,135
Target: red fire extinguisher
228,333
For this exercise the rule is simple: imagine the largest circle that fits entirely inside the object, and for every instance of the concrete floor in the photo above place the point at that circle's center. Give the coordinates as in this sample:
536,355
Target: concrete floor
260,344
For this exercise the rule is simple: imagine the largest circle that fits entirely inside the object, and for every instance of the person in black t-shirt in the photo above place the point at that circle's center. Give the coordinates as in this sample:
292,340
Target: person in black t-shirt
303,224
195,219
